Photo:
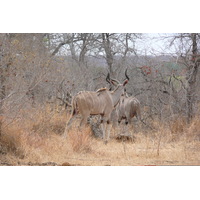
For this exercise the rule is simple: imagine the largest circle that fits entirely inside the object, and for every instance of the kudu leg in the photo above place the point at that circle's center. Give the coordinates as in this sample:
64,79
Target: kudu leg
130,129
108,128
83,123
103,128
115,129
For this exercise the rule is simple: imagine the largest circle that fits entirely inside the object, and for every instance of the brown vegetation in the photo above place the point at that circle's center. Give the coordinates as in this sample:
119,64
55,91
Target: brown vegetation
37,70
38,140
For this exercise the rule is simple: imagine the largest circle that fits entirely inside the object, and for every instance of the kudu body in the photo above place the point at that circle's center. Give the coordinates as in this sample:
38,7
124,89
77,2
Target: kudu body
128,108
101,102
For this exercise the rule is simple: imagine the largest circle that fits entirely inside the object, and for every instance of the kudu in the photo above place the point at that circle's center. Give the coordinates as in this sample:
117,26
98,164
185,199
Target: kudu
102,102
127,108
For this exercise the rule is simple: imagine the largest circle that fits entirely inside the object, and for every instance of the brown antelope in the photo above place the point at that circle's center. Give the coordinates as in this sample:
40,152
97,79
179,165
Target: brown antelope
102,102
127,108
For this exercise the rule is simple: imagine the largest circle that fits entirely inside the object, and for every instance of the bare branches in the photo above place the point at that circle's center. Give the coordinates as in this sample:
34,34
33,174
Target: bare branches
58,48
65,101
37,67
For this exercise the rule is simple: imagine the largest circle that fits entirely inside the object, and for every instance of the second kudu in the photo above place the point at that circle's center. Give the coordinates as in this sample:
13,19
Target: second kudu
100,102
127,108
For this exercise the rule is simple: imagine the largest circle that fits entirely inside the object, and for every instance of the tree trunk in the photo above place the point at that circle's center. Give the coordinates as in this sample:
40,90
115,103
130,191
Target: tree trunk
2,82
191,79
2,96
108,51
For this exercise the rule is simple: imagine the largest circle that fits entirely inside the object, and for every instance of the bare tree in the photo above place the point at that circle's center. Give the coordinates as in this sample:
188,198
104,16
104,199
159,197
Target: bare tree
4,64
189,51
117,47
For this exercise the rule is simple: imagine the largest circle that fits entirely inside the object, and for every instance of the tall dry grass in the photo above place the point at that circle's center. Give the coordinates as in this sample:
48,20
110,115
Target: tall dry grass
81,141
38,138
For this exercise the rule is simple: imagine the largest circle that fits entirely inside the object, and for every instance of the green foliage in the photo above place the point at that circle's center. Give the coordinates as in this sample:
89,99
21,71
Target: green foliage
176,81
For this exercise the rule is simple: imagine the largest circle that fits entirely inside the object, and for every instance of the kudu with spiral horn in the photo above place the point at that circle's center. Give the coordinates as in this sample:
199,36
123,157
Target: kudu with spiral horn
128,107
100,102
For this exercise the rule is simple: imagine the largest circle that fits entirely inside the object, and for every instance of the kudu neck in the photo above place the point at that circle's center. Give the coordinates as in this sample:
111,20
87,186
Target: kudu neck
116,94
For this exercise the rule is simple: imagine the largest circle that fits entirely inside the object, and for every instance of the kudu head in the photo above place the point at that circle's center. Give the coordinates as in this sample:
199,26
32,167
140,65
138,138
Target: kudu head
117,84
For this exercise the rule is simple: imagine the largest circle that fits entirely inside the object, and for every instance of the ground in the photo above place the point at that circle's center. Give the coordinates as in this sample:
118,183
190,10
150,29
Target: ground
41,142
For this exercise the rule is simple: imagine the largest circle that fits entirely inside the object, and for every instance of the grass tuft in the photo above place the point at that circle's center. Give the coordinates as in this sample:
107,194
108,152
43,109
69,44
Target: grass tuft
81,140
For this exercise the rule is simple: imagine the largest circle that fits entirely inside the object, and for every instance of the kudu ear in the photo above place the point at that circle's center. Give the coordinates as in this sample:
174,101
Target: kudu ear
125,82
113,82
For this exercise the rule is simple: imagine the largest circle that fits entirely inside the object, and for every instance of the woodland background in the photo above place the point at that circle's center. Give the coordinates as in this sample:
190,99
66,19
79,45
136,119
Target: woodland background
40,72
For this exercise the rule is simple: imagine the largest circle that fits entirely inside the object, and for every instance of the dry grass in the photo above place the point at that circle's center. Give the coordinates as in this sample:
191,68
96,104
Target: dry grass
38,139
81,142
